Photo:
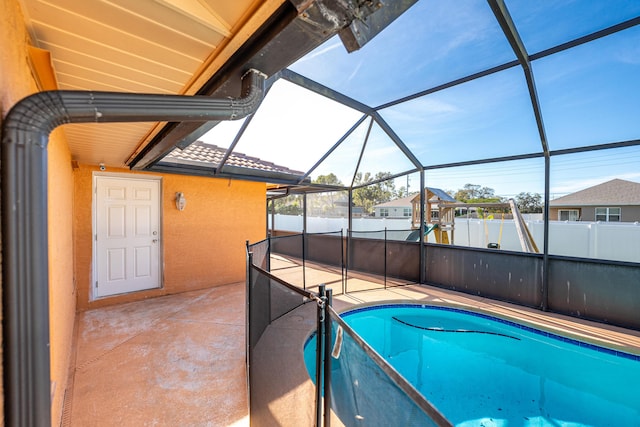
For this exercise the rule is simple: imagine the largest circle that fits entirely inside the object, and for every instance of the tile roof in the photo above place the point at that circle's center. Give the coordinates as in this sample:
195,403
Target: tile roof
211,155
615,192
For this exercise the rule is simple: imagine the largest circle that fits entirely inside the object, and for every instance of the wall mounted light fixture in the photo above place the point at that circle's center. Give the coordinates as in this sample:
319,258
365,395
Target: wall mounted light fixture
181,202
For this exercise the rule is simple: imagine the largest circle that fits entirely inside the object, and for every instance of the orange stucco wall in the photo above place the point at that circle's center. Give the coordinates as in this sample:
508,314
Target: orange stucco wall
62,295
16,82
203,246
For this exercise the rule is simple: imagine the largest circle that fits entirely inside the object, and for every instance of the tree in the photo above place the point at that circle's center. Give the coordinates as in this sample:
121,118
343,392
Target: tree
529,203
290,205
370,195
330,179
473,193
326,203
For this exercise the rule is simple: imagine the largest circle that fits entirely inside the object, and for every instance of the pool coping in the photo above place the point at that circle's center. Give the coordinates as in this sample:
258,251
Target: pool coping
514,322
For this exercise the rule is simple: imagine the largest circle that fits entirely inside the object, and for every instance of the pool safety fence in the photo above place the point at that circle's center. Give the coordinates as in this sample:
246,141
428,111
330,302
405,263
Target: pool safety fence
268,299
385,260
351,380
366,389
380,253
503,275
260,253
604,291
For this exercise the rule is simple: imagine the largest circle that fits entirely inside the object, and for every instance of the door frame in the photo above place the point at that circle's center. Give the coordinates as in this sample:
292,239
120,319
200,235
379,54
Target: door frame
94,222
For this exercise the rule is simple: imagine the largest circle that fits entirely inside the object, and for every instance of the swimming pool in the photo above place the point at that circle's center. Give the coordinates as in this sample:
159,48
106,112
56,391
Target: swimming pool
480,370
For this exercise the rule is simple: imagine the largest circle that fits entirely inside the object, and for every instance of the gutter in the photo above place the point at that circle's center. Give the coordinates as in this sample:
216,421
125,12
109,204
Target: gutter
25,275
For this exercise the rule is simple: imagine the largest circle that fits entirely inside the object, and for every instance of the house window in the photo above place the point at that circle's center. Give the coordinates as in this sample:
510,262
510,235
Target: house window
435,214
407,212
384,211
608,214
568,215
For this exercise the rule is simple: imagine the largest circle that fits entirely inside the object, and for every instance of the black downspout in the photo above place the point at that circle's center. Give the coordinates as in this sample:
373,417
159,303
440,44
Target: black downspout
25,136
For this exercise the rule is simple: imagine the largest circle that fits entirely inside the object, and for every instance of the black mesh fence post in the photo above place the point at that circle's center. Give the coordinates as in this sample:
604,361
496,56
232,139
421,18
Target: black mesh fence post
247,323
346,263
322,315
385,258
327,360
304,256
344,277
268,265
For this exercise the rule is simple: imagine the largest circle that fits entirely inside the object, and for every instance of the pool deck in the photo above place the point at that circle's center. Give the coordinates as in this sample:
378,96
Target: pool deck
180,359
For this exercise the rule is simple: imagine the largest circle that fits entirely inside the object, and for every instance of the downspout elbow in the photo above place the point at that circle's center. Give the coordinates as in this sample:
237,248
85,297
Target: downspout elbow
32,119
253,82
40,113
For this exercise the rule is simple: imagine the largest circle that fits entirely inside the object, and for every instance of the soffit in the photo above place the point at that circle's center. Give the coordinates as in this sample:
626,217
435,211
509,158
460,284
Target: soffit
146,46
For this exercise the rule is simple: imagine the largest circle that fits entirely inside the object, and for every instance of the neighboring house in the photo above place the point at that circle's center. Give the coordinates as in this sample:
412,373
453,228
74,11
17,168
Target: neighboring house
402,208
398,208
617,200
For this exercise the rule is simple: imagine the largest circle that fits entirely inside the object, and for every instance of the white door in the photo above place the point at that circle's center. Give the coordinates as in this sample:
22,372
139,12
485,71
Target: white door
126,235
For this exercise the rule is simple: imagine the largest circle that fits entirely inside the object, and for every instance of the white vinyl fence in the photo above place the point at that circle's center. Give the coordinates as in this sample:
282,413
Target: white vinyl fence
600,240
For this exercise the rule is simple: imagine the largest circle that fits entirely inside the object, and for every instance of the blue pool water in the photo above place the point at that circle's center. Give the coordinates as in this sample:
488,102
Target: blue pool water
479,370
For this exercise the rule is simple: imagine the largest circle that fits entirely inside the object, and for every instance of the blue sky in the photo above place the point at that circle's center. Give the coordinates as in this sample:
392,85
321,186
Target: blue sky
589,95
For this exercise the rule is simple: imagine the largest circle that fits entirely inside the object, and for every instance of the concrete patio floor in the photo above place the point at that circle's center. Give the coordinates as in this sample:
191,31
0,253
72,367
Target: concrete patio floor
176,360
180,359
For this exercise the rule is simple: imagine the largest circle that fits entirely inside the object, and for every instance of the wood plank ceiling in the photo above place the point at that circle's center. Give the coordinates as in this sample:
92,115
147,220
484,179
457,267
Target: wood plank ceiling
142,46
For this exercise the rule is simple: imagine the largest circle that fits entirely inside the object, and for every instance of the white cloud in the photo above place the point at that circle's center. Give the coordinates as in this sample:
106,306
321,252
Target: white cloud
355,71
418,110
327,47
